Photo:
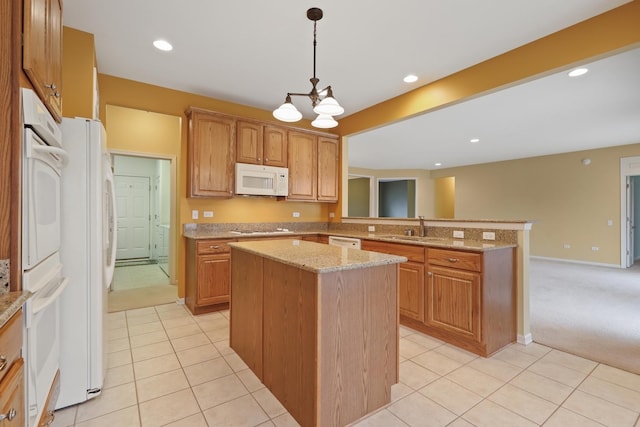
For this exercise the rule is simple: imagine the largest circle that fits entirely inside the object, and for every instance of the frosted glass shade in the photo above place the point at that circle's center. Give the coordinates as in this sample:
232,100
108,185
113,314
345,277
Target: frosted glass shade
329,106
324,121
287,112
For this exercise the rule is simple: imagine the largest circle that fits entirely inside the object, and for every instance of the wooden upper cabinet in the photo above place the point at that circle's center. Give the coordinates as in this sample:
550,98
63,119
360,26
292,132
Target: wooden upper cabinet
211,148
303,163
42,52
275,146
249,142
328,165
261,144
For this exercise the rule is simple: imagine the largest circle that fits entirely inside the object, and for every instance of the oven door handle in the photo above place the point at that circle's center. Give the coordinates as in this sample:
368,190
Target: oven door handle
63,158
41,304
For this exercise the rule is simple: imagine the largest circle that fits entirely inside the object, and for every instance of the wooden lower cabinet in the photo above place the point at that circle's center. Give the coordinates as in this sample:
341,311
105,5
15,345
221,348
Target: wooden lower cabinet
12,397
12,388
453,301
412,290
411,281
463,297
208,275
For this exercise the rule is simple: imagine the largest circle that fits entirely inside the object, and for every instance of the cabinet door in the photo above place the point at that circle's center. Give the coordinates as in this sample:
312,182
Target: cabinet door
34,56
302,159
275,146
412,290
249,142
453,301
55,56
214,279
211,155
328,164
12,396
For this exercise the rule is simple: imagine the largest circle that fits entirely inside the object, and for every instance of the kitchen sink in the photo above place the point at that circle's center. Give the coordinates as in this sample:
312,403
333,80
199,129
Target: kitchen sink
413,238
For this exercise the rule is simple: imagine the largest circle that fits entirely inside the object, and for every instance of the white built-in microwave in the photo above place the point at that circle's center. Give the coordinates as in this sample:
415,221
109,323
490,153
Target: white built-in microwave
261,180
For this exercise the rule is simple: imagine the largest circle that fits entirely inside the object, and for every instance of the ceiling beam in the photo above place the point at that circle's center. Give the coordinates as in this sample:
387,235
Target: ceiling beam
594,38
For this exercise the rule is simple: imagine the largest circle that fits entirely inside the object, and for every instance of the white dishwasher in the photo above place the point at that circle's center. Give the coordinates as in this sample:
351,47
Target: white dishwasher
347,242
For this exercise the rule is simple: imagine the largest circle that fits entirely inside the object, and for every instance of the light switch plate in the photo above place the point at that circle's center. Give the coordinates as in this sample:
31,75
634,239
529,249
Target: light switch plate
208,214
458,234
371,228
194,214
296,214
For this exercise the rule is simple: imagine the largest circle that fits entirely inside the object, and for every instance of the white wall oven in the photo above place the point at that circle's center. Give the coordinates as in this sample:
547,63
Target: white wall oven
43,160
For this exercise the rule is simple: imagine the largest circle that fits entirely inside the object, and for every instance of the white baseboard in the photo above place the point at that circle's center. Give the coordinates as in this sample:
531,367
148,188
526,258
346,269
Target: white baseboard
180,301
525,339
573,261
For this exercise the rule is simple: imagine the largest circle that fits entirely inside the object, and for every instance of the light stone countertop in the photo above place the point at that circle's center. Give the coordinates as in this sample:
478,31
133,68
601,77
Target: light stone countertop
10,303
316,257
436,242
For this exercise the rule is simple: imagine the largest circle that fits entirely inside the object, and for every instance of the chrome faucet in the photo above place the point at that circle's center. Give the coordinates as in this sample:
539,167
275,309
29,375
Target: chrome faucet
421,233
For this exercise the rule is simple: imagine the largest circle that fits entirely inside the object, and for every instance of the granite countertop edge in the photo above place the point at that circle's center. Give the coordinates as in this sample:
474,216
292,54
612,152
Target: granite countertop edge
10,303
323,259
444,243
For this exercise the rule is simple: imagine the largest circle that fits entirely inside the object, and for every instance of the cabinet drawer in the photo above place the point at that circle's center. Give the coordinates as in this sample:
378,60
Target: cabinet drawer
213,246
455,259
10,343
413,253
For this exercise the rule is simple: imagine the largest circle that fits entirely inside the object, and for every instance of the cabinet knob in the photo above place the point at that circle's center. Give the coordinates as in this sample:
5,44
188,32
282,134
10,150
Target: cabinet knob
265,159
9,415
453,259
429,274
3,361
51,86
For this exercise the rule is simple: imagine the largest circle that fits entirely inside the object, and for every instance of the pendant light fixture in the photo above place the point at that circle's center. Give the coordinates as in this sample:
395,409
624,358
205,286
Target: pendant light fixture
325,106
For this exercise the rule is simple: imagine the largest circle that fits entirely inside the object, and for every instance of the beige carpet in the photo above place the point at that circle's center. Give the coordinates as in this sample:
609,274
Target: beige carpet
140,286
590,311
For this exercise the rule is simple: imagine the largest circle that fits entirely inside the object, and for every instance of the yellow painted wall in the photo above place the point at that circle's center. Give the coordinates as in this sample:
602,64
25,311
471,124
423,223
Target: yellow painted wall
78,61
444,197
570,202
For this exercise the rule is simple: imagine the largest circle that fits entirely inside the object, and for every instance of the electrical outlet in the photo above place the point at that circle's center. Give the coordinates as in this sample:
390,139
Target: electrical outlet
208,214
595,248
458,234
488,235
194,214
566,246
296,214
371,228
610,222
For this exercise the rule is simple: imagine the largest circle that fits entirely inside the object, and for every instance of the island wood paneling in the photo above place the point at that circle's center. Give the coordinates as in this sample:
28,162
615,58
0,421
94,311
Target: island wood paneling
290,338
246,309
358,332
329,341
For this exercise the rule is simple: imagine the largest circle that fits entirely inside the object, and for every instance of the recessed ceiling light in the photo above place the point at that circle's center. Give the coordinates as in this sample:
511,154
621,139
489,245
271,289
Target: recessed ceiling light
474,140
410,78
163,45
578,72
438,164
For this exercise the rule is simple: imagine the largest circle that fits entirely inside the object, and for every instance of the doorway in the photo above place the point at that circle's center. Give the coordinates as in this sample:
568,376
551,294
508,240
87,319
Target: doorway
629,211
397,198
143,200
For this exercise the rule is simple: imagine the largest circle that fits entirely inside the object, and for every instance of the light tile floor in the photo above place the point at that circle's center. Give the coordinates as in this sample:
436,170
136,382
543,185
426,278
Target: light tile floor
169,368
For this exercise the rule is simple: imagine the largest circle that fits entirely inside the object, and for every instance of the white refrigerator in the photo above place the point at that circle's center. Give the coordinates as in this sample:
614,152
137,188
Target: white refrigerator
88,257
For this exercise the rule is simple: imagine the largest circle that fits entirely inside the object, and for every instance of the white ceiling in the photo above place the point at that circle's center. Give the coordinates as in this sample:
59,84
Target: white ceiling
253,52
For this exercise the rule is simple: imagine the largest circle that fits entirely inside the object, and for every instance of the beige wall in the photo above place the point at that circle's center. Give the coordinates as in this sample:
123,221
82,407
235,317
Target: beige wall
445,196
569,202
424,185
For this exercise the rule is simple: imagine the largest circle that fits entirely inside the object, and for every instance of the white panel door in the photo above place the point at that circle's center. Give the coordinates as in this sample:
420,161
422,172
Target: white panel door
132,201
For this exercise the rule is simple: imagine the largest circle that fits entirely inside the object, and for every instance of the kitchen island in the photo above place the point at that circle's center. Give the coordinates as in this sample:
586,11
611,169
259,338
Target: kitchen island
318,325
